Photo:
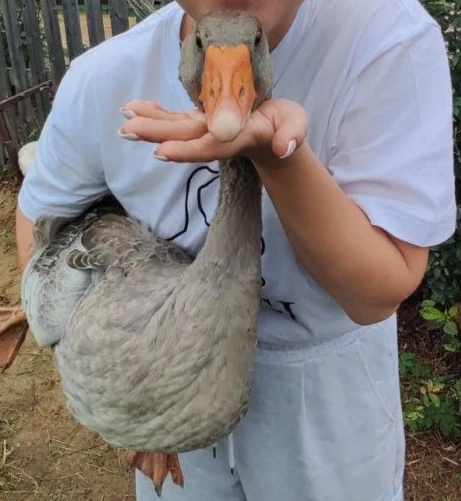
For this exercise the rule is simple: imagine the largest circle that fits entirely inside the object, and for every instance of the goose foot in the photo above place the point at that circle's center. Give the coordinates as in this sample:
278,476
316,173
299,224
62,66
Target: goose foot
156,466
13,330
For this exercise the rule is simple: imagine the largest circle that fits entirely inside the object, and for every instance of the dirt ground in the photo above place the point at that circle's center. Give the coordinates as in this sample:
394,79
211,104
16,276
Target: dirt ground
45,455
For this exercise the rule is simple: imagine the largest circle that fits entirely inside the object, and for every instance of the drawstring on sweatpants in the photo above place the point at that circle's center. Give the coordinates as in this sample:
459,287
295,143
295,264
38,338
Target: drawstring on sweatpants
230,440
231,453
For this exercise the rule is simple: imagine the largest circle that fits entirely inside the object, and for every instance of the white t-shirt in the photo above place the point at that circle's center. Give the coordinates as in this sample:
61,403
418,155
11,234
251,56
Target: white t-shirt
373,76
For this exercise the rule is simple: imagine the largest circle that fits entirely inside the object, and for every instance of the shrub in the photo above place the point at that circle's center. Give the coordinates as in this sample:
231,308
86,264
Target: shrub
430,400
443,277
448,15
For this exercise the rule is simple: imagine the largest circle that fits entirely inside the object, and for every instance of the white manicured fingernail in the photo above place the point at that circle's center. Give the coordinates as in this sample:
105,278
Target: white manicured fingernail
127,113
291,148
161,158
128,135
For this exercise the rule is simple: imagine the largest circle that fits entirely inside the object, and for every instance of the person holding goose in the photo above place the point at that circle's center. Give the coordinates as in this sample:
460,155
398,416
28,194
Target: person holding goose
344,144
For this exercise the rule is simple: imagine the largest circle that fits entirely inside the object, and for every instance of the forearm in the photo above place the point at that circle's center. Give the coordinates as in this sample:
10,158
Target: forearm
24,239
358,264
367,271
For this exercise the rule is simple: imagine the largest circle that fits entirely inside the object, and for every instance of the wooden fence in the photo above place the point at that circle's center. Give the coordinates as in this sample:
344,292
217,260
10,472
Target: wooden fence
38,39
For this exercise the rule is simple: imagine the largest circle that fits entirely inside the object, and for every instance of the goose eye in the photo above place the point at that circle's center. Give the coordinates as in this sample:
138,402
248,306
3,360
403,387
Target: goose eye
258,38
198,41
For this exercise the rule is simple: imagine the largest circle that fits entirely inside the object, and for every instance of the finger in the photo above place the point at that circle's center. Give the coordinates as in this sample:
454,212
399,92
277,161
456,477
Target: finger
158,131
150,109
204,149
198,115
289,135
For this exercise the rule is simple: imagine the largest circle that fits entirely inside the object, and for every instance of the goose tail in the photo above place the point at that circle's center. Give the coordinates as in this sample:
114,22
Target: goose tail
46,229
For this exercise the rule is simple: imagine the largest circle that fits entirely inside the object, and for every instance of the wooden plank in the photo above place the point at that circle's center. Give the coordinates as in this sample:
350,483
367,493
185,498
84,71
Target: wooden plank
94,22
22,95
19,78
12,114
5,87
9,107
9,141
53,36
73,29
118,16
37,61
12,136
143,8
13,36
48,75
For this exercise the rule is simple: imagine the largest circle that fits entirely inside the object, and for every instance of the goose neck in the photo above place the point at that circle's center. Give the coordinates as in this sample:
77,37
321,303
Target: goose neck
235,232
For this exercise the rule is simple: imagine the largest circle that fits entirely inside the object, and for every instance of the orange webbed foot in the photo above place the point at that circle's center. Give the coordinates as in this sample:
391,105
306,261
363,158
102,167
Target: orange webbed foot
13,330
156,466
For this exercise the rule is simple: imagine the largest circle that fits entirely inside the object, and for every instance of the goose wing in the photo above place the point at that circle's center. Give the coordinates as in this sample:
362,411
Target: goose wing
72,258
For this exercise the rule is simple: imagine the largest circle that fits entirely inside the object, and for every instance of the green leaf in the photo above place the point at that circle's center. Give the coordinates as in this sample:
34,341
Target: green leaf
451,347
432,314
457,387
437,387
407,357
435,399
450,328
447,424
453,311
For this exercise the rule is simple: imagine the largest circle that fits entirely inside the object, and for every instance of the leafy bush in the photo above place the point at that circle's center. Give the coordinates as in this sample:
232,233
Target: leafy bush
443,276
445,319
448,15
431,400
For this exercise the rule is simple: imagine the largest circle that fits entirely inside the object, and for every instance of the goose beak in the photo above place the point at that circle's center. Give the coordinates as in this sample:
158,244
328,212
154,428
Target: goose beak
228,92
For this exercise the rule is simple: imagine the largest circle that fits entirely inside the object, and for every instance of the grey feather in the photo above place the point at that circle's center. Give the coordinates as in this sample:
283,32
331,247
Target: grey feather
155,351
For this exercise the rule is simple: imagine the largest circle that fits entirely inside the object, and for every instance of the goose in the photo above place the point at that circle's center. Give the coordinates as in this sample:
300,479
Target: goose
155,349
26,156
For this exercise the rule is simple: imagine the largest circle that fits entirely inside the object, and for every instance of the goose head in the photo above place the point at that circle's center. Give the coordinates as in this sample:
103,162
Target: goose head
226,69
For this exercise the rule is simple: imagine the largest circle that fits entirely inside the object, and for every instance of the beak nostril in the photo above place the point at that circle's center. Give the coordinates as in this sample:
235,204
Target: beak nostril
242,93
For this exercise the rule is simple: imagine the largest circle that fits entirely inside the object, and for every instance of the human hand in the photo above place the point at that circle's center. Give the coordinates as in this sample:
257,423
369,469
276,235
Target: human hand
274,130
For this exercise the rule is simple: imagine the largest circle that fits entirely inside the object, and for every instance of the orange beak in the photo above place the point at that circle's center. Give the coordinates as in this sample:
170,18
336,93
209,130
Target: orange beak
228,91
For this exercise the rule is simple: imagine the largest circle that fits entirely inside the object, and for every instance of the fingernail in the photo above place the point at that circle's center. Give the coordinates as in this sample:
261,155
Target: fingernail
127,113
291,148
128,135
161,158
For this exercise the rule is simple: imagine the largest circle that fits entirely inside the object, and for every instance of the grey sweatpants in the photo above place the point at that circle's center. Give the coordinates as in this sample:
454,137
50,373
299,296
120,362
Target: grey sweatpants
324,424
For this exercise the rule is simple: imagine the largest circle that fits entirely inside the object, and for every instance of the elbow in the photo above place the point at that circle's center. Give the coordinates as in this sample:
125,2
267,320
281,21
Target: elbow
374,309
371,314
